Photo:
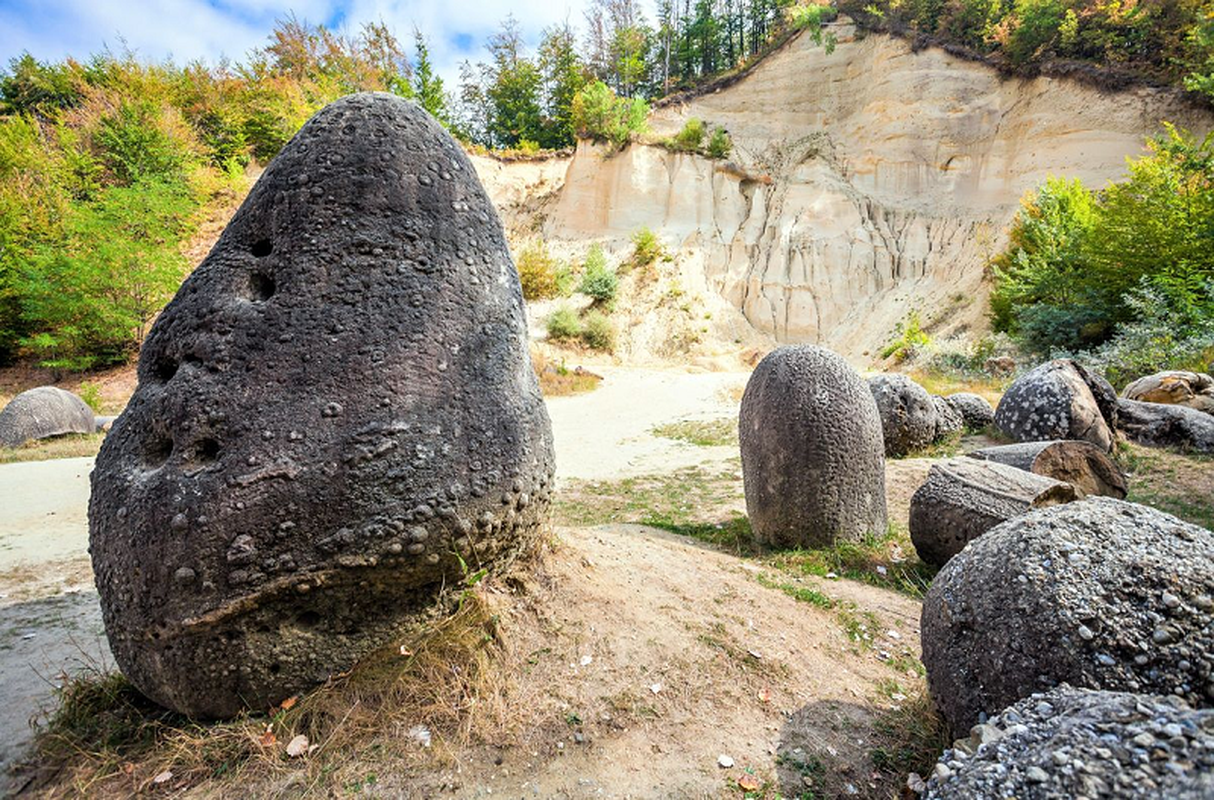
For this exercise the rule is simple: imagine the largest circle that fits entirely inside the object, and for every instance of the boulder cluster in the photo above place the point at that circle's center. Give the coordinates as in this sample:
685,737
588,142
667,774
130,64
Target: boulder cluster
912,419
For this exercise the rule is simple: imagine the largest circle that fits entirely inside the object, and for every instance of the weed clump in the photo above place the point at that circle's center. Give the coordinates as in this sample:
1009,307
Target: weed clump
564,324
538,271
598,332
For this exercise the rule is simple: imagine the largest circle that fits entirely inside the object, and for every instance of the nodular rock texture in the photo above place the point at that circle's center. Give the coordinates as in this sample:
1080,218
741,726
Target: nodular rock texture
336,417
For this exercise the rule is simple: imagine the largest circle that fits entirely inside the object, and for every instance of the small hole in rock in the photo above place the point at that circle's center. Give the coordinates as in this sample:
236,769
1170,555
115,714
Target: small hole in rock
157,449
165,369
275,668
206,450
261,286
262,248
308,619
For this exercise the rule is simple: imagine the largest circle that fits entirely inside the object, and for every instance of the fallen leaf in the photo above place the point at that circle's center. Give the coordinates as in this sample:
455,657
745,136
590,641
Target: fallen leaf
748,782
163,777
268,738
289,703
765,695
128,768
297,746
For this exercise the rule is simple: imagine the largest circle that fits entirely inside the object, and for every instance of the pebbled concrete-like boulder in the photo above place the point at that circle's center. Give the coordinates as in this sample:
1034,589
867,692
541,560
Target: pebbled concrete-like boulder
1060,399
1159,425
812,461
1174,387
1072,742
949,421
1100,593
974,409
42,413
336,408
908,415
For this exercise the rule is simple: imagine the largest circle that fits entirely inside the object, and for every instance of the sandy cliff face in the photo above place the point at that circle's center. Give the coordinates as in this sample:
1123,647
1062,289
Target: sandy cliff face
863,183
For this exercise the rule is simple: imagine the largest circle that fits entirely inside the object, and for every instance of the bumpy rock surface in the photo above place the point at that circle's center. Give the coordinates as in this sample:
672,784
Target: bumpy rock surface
1059,400
1081,464
1159,425
908,415
337,406
963,498
1176,387
42,413
949,421
812,461
1100,593
1082,743
975,410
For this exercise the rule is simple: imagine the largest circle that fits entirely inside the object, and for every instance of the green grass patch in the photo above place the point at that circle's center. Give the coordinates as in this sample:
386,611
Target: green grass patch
701,432
887,561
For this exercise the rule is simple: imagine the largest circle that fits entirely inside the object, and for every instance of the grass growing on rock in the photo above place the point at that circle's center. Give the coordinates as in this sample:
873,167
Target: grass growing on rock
701,432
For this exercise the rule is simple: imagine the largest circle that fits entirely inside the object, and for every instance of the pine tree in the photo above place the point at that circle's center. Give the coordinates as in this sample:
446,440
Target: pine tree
427,86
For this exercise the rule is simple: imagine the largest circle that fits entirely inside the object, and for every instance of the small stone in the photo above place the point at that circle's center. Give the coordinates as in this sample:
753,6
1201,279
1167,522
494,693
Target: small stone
1085,633
724,761
1036,775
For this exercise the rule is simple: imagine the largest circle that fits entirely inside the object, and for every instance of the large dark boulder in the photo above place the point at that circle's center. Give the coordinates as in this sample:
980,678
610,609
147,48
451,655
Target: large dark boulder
1060,399
908,415
1159,425
1100,593
335,414
949,421
1081,743
812,461
42,413
974,409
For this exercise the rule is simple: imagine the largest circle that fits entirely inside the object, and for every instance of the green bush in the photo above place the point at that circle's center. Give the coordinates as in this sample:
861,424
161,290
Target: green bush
598,279
720,145
598,332
537,271
691,138
563,324
647,248
90,393
135,147
597,113
911,337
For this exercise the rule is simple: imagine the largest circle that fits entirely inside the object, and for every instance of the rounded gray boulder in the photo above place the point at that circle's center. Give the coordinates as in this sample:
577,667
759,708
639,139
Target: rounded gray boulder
42,413
1060,399
336,417
1072,742
949,421
908,415
1100,593
974,409
812,461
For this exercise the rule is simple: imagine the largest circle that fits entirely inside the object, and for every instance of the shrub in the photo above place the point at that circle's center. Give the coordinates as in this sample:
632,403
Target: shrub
598,332
563,324
691,138
135,146
719,144
598,280
647,248
811,18
911,337
90,393
1155,341
566,280
537,271
597,113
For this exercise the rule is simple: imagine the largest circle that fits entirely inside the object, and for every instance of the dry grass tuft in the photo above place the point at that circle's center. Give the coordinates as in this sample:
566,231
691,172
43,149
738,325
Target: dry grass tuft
989,388
74,445
409,704
556,380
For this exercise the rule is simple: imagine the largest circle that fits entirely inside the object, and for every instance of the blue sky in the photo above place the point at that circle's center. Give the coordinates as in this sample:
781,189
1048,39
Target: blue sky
211,29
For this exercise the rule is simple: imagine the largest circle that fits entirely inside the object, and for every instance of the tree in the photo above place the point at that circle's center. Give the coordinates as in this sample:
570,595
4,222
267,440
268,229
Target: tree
512,89
427,86
564,75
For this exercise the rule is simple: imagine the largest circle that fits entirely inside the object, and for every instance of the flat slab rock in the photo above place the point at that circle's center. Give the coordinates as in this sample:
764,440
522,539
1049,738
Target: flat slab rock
42,413
336,417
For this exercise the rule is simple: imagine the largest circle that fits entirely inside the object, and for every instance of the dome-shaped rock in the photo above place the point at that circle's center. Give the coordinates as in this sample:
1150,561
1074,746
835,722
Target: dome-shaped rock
334,415
974,409
812,460
1100,593
1059,400
1082,743
908,415
949,421
42,413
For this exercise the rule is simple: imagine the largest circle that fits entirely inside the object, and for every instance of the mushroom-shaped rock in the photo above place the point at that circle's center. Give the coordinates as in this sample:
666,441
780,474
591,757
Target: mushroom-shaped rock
812,461
1159,425
42,413
334,415
1100,593
949,421
964,498
974,409
1081,464
1174,388
1060,399
908,415
1072,742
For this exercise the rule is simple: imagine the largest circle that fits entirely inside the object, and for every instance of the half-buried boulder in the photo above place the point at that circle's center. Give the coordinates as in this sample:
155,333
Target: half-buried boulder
1159,425
335,414
42,413
949,421
1081,464
908,415
812,462
1101,593
1059,400
964,498
1174,388
974,409
1082,743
